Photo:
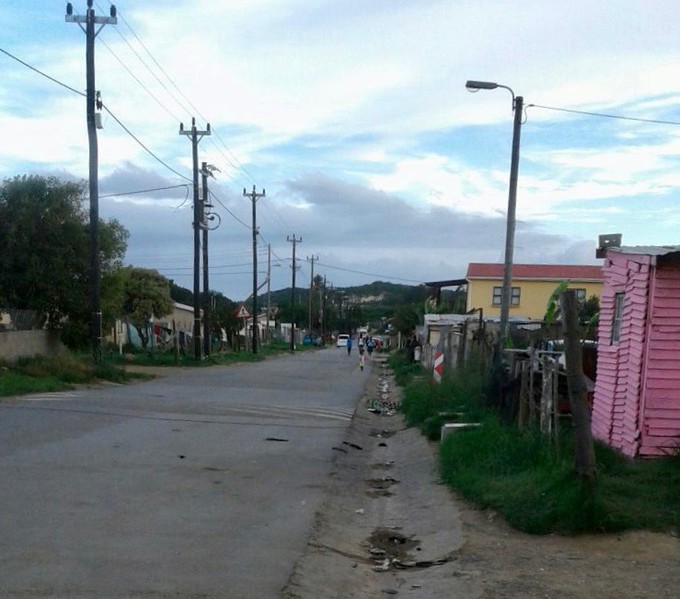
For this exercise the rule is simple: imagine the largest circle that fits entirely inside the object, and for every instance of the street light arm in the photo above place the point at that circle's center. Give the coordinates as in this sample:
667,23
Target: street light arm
475,86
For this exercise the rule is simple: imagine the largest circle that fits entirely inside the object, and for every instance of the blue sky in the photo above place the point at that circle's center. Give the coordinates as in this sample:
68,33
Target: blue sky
355,118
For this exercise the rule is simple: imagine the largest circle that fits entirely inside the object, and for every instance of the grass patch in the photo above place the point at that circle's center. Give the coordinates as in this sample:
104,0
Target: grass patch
530,481
42,374
16,383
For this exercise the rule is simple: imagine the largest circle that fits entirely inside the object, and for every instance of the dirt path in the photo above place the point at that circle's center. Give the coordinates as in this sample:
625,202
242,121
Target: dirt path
389,528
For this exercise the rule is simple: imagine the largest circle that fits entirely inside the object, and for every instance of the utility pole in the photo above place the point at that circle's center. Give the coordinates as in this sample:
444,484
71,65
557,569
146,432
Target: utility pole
196,136
322,312
506,290
254,196
93,100
294,241
311,288
269,288
206,171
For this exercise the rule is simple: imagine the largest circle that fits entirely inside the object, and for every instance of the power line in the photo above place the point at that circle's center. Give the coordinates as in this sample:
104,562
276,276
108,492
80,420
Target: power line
236,218
139,81
133,136
601,114
68,87
115,118
129,193
370,274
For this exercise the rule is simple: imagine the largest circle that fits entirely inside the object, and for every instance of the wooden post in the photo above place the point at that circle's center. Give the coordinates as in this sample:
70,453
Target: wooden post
523,394
532,401
584,450
546,396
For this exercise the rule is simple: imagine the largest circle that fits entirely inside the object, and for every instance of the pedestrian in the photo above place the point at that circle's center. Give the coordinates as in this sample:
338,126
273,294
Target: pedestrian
369,346
349,345
361,357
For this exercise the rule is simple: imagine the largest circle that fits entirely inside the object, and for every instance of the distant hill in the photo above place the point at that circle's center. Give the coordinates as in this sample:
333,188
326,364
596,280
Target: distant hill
378,296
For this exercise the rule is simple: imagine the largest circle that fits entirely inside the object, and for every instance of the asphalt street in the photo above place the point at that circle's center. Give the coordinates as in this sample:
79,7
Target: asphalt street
203,483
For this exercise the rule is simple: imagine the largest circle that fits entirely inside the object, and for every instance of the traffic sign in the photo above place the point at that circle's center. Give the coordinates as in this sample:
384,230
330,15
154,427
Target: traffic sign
243,312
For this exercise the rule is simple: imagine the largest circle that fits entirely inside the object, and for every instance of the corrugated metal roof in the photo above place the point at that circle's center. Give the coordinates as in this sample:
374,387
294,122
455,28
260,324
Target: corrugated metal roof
554,272
647,250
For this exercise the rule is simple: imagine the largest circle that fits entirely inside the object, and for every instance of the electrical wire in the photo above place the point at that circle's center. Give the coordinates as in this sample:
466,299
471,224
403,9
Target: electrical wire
115,118
147,150
601,114
236,218
129,193
139,81
68,87
370,274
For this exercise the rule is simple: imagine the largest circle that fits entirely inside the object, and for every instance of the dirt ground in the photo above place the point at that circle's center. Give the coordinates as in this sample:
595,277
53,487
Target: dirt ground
389,528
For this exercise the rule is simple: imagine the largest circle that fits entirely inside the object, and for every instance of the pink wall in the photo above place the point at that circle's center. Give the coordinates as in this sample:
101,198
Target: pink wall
661,384
636,407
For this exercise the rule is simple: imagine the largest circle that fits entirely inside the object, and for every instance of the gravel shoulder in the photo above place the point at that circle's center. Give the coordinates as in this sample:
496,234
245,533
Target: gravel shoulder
388,527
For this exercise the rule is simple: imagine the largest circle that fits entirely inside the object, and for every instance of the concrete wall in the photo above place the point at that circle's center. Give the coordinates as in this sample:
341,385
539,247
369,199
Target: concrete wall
24,344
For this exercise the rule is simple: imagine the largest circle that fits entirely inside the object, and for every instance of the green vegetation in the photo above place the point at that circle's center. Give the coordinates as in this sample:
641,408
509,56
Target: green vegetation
529,481
61,373
45,258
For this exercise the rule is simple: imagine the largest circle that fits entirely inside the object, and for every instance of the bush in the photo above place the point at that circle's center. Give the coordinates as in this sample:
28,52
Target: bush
531,481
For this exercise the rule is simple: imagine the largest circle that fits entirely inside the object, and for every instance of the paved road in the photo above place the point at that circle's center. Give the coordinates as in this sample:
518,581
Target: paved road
171,488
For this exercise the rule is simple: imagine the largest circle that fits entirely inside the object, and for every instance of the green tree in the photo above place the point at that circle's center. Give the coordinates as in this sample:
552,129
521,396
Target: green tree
406,319
45,258
146,294
223,316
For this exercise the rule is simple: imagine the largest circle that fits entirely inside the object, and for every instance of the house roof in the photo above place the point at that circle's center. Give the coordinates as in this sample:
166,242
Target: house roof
646,250
543,272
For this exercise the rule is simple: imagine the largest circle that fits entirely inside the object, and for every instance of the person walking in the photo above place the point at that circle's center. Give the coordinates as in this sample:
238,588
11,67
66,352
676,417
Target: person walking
361,357
349,345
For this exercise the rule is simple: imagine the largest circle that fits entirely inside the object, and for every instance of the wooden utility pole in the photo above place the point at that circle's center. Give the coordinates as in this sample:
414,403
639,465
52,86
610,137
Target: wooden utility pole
195,135
269,289
93,101
206,171
254,196
294,241
311,289
584,450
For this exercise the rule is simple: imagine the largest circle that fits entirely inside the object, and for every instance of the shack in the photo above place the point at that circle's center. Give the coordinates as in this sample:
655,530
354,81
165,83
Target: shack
636,406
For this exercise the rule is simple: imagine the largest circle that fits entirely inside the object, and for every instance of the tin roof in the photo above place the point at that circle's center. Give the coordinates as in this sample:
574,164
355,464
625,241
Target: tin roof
646,250
544,272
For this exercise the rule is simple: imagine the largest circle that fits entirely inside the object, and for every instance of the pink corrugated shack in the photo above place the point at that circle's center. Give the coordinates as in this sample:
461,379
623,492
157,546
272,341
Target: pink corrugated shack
636,407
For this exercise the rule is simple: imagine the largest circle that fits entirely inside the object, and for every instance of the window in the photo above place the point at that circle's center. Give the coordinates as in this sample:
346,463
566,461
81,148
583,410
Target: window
580,296
618,317
498,294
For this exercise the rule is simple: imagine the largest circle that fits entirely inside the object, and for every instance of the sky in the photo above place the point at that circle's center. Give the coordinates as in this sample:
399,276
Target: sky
353,117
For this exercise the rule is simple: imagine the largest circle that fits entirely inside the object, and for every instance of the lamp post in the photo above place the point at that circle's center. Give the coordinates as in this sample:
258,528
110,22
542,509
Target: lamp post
506,291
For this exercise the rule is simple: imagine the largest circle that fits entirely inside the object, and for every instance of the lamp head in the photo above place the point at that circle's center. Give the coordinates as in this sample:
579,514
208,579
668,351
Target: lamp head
477,85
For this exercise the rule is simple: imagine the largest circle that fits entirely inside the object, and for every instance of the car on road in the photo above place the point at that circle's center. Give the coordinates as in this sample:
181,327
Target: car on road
342,340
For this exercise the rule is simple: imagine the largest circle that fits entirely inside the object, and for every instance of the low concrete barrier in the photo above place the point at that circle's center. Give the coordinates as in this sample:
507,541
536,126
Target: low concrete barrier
26,344
455,427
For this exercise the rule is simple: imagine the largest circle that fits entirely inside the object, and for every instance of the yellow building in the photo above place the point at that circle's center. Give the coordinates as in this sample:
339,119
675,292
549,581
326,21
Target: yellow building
532,286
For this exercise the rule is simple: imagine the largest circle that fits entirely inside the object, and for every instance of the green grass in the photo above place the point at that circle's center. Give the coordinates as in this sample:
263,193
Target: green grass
532,482
41,374
58,373
16,383
168,358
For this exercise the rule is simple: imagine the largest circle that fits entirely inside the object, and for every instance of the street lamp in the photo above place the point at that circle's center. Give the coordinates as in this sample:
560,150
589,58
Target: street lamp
517,105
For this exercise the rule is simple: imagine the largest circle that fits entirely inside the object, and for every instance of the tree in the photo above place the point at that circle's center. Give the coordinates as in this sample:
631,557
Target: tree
405,319
223,316
146,294
45,258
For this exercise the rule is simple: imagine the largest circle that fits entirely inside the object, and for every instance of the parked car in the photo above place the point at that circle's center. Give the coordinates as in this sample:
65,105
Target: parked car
342,340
